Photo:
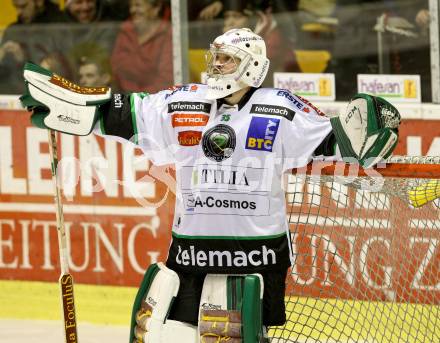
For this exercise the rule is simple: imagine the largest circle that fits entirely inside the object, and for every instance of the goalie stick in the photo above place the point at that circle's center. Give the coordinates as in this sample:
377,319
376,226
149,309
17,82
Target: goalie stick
66,279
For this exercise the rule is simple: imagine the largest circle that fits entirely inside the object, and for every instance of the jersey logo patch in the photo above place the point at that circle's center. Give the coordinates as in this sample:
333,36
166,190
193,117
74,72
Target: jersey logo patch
189,119
219,142
189,138
189,106
181,88
272,110
225,117
261,134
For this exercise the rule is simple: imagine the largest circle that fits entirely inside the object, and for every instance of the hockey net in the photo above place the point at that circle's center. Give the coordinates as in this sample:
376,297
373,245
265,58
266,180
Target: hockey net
366,264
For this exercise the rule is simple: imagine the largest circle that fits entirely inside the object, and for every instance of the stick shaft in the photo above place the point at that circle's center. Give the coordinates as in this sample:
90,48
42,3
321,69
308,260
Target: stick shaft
65,280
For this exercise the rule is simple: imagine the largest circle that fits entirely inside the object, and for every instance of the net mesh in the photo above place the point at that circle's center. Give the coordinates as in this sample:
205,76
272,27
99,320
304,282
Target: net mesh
366,264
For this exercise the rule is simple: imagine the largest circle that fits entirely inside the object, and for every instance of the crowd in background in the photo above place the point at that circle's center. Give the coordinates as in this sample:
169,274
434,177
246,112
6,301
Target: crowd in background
127,44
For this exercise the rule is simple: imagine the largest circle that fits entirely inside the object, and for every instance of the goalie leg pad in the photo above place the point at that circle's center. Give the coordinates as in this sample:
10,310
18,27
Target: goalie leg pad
175,331
152,303
227,302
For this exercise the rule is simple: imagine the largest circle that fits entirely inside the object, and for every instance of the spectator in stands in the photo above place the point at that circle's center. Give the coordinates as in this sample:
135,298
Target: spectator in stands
202,24
258,17
88,22
355,43
405,51
142,55
94,71
211,11
87,11
26,39
57,63
407,36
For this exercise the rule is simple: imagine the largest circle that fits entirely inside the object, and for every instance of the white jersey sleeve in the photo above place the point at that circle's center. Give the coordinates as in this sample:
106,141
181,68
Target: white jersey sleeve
154,135
302,138
306,128
140,118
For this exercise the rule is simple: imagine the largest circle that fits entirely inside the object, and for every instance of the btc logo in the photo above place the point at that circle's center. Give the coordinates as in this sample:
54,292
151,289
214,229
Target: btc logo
261,134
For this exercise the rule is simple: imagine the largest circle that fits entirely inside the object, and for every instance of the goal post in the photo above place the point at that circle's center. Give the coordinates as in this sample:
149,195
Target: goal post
366,253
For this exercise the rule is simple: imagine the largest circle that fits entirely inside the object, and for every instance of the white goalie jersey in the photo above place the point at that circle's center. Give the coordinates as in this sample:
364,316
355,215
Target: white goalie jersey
230,213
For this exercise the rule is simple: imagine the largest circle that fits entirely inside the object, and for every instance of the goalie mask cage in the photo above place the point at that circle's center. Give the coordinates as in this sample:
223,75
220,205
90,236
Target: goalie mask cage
366,263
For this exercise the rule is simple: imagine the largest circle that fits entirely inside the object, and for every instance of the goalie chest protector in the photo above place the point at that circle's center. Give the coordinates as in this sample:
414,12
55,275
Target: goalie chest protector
230,213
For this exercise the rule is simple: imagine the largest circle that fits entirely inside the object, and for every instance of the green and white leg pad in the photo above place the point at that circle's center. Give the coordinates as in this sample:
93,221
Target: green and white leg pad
149,323
231,309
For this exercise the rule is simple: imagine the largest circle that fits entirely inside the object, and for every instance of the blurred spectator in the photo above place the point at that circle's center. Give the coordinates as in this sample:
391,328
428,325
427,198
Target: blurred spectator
87,11
142,55
204,18
94,72
119,9
204,9
56,63
406,37
422,19
258,17
88,22
211,11
26,39
355,44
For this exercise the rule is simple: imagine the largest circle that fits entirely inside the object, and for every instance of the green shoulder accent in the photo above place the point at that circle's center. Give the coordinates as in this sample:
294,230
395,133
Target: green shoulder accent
133,117
35,67
143,94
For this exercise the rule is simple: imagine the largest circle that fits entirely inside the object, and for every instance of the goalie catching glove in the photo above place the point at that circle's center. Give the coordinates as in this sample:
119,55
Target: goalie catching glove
59,104
368,131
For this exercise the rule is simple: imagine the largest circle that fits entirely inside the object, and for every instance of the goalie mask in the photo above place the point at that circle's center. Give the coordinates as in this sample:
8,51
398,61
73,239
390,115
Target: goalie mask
235,60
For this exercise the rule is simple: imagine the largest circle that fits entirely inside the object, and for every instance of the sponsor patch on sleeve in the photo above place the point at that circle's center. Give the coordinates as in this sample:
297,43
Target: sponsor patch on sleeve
261,133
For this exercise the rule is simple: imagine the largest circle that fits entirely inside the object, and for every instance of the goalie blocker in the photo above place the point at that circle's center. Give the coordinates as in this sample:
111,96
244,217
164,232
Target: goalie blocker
226,303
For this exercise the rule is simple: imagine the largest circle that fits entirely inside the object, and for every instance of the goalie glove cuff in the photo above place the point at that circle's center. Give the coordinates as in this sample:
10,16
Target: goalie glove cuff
59,104
368,131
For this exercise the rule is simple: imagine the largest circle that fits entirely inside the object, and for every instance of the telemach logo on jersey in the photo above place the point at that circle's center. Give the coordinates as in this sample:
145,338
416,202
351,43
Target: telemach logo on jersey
272,110
219,142
211,254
